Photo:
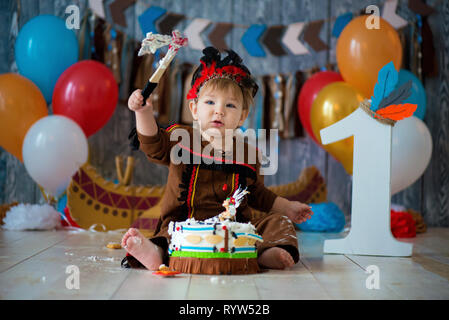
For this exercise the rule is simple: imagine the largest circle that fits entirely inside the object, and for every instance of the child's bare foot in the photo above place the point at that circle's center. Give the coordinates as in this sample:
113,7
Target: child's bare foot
142,249
275,258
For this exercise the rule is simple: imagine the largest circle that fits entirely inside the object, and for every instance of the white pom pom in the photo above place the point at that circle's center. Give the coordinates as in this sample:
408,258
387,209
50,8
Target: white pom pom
32,217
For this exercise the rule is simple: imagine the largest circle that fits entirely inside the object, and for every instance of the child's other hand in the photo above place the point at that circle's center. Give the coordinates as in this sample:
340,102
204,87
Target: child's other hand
135,102
298,212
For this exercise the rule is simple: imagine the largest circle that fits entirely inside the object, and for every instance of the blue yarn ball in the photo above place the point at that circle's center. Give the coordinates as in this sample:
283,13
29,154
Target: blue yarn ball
327,217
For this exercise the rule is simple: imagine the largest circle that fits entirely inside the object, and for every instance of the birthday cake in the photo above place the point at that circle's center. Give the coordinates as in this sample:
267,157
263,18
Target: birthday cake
218,245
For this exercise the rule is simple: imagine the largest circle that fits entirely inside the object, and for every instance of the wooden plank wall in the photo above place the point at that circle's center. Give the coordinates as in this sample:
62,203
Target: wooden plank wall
429,195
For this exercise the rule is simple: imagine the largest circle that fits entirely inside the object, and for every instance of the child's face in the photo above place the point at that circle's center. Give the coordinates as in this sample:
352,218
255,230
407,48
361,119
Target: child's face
218,110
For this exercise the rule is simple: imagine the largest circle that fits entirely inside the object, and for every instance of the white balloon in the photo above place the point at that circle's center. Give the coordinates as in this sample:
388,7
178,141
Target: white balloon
53,150
411,152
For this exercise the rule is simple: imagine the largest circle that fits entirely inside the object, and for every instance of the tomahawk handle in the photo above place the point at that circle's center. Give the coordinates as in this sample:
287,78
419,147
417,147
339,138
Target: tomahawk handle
149,88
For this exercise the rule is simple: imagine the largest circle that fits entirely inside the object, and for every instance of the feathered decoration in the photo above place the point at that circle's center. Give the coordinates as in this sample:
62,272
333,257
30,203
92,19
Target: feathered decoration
212,66
386,102
398,111
397,96
238,196
387,78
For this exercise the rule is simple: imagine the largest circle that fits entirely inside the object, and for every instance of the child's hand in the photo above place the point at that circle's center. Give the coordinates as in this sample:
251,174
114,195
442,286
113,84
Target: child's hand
298,212
135,102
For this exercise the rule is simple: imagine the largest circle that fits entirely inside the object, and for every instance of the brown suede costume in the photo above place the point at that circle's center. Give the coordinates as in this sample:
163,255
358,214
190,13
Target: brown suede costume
198,188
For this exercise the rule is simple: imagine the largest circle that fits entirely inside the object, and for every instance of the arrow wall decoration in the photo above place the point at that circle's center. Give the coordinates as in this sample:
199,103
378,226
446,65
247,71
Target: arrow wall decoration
312,35
389,14
291,38
147,19
272,40
118,8
97,8
193,33
250,40
218,34
169,21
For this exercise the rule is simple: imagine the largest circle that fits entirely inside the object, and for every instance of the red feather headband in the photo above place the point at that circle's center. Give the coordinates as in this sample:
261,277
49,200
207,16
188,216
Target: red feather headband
208,73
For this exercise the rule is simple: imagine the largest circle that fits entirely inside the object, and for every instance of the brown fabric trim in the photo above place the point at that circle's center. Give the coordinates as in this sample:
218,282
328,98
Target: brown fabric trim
214,265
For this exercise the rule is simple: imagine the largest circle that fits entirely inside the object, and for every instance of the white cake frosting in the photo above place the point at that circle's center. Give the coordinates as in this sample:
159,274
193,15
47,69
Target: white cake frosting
219,235
210,236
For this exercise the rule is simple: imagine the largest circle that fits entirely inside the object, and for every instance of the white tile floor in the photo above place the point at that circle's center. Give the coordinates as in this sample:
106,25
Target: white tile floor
33,265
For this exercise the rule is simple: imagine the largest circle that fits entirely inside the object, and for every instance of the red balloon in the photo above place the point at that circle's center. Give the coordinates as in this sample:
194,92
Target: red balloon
308,93
87,93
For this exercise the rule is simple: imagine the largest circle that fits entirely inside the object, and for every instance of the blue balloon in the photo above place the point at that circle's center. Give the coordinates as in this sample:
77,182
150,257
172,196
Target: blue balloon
327,217
44,49
417,92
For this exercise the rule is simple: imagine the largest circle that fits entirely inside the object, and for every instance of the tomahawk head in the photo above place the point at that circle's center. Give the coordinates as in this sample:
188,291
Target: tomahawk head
154,41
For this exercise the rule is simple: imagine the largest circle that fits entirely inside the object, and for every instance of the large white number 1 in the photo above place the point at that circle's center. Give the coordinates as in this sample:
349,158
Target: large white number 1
370,232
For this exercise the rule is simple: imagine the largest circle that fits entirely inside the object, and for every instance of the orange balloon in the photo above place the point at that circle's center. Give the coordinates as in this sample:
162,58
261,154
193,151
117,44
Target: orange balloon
362,52
21,105
333,103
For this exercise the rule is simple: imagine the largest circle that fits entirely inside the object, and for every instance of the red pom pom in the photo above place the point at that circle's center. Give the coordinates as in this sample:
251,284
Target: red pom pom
402,224
224,227
222,250
225,187
177,228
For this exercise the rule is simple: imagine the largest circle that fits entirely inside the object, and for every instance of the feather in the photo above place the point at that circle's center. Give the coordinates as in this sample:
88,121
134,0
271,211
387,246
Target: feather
397,96
387,78
398,111
238,196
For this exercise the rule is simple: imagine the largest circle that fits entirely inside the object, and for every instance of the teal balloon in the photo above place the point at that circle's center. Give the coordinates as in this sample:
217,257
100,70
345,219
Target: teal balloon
417,92
44,49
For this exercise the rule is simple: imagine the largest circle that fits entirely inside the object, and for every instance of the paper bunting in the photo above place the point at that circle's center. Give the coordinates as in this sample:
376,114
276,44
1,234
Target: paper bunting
389,14
272,40
312,35
148,18
193,33
276,38
217,35
291,39
97,8
250,40
169,22
118,8
419,7
340,23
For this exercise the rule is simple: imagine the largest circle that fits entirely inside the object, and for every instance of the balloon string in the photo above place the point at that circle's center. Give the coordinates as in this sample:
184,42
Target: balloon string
48,198
43,193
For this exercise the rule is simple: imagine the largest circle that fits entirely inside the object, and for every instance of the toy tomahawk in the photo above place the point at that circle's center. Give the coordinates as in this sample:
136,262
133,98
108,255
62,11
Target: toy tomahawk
150,44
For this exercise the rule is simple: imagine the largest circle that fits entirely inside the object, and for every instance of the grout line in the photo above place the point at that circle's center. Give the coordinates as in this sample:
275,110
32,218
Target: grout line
318,281
353,261
121,283
33,255
313,275
253,277
188,288
24,236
